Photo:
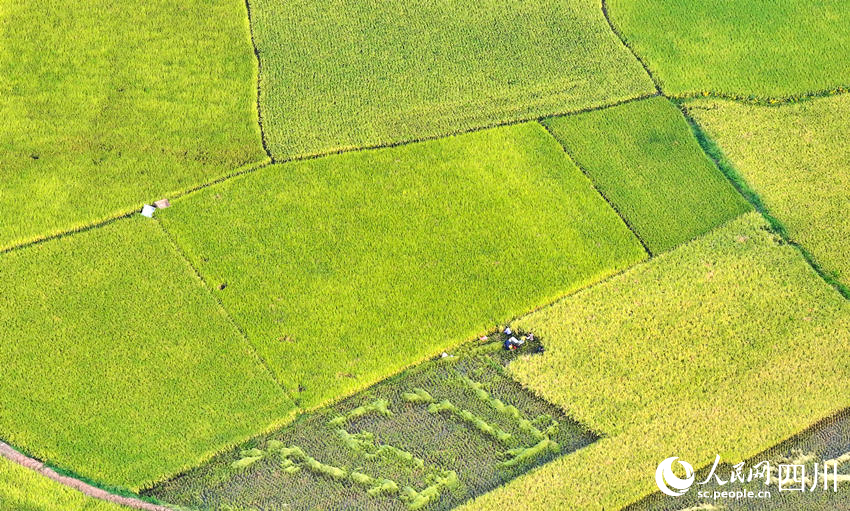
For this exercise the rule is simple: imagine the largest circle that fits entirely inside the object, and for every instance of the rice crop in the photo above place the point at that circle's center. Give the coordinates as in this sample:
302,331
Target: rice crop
796,159
22,489
352,74
117,362
726,345
106,105
741,48
643,157
345,269
406,460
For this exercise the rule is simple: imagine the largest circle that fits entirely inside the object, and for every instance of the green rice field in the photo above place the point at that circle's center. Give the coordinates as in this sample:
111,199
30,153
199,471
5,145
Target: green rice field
347,74
773,49
260,255
107,105
22,489
118,364
644,159
344,270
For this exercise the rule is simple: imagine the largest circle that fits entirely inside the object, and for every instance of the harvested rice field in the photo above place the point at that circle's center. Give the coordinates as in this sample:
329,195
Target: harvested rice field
430,437
394,256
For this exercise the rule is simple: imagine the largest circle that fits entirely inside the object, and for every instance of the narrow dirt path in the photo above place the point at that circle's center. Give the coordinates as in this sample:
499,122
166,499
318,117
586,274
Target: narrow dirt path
92,491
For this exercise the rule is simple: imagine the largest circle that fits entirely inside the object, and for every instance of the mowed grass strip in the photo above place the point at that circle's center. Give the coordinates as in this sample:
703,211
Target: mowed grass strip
726,345
118,364
343,270
769,49
644,158
22,489
106,105
347,73
796,158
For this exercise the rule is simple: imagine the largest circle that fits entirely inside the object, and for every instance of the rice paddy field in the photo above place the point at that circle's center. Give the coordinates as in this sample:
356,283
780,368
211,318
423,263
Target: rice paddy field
643,157
347,73
118,364
769,50
796,158
390,252
393,256
106,105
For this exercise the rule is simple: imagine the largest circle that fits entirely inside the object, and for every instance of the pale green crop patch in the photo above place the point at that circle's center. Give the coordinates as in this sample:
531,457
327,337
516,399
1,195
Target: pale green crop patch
343,270
117,363
347,74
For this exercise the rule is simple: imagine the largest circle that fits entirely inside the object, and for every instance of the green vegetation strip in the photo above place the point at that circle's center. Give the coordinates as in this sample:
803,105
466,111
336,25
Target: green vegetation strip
513,412
739,47
118,364
378,406
347,74
725,345
446,406
365,442
796,160
643,157
115,104
345,269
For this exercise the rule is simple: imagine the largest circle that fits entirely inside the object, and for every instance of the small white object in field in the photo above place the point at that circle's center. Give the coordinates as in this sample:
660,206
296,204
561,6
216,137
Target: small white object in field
147,211
162,204
444,355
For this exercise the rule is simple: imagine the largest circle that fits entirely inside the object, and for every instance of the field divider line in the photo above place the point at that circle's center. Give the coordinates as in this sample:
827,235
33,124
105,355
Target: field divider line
70,232
83,487
628,46
202,281
259,81
250,168
241,171
466,131
127,213
597,189
764,101
713,151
